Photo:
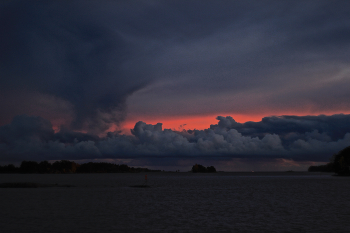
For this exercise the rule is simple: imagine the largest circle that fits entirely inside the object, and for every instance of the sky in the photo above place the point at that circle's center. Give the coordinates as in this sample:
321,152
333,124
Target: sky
241,85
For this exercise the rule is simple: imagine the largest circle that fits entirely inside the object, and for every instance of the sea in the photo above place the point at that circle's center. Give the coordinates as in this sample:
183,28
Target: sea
177,202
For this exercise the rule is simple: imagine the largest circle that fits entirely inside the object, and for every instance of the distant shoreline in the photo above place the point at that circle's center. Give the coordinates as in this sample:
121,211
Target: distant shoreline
69,167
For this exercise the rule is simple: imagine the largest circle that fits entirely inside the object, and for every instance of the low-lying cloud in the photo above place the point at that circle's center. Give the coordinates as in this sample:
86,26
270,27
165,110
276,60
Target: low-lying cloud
299,138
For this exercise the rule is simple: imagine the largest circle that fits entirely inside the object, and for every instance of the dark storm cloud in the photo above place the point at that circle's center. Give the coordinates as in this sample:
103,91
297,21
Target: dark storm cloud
92,55
289,137
68,49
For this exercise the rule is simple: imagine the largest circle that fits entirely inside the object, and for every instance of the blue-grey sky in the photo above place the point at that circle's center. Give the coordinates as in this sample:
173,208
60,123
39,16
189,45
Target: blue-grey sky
83,68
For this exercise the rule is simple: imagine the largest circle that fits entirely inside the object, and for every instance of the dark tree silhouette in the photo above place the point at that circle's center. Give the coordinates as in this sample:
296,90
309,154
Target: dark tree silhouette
44,167
64,166
9,169
99,168
211,169
29,167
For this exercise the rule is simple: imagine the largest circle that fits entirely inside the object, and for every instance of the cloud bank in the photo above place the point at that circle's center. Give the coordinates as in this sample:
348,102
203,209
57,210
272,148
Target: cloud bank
306,138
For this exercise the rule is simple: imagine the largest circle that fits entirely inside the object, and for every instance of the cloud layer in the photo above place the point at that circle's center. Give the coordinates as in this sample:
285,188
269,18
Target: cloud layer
295,138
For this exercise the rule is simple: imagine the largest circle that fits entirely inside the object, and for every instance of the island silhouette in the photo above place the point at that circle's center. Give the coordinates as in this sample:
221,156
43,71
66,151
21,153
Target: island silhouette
198,168
339,164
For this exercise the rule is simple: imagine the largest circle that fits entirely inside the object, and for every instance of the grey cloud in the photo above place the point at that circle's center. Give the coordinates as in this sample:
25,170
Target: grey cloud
320,127
299,138
29,137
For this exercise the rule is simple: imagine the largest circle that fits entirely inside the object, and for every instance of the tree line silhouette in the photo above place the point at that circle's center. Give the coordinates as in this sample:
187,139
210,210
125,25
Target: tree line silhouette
66,166
339,163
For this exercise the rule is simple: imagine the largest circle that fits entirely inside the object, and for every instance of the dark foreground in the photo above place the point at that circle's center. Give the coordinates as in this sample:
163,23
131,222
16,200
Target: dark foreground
177,202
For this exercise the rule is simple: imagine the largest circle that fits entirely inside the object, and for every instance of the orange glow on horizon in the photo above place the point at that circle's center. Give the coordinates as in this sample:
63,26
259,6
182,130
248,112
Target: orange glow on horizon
203,122
186,122
180,123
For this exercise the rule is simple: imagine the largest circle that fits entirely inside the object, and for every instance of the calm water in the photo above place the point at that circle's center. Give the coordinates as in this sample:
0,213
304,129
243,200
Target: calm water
178,202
